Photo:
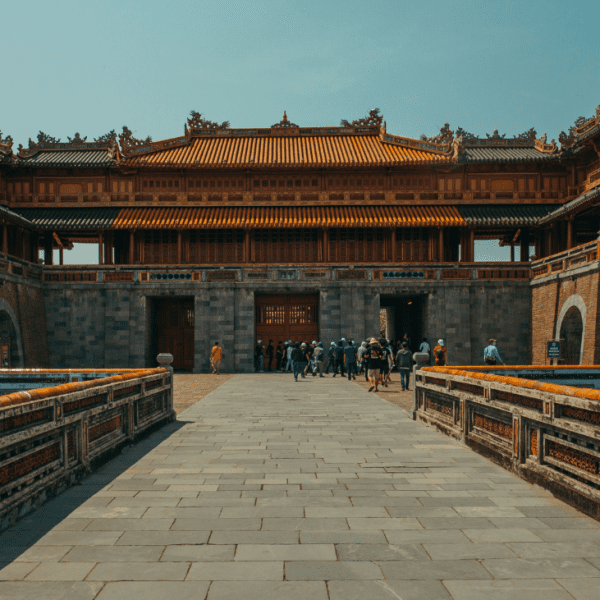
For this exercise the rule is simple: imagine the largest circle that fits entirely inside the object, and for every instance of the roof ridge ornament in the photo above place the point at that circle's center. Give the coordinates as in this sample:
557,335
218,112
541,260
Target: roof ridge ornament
284,123
127,140
108,138
77,140
445,136
195,121
6,145
374,118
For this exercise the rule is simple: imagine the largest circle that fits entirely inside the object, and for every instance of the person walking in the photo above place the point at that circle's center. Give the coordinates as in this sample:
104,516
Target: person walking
425,347
440,352
384,365
318,356
289,367
372,355
216,355
279,355
298,360
259,357
491,355
330,359
270,353
359,355
404,360
350,358
339,358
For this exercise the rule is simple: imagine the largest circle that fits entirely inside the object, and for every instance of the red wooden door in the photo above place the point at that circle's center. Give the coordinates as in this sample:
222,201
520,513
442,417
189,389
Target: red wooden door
176,331
287,318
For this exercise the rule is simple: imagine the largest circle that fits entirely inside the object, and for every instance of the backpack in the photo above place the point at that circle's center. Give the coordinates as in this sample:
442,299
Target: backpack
339,353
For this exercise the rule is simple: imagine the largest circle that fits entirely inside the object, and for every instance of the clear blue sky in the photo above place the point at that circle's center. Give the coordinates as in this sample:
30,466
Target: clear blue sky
91,67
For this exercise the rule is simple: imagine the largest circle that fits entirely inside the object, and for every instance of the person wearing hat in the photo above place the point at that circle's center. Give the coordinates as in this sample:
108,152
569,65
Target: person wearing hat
359,354
299,359
339,358
289,366
490,354
259,357
330,358
372,356
440,352
318,356
310,348
350,358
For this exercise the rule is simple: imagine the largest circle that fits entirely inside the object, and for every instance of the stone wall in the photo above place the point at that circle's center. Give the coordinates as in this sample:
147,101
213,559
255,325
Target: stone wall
109,324
550,295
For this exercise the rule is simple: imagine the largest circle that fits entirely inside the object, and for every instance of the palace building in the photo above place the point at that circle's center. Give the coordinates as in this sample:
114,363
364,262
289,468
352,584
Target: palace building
293,232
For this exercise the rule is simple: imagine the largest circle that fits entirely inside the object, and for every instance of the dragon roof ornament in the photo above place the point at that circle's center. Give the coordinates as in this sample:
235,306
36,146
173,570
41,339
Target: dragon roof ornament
46,142
374,118
580,130
284,122
195,121
6,144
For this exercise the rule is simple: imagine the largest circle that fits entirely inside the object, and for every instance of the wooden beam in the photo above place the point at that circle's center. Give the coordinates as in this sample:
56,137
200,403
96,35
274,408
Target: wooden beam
569,233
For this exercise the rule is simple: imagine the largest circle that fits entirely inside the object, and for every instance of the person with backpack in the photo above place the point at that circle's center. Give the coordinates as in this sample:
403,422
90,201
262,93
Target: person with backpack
404,360
373,357
339,358
350,360
318,356
490,354
425,347
330,358
440,352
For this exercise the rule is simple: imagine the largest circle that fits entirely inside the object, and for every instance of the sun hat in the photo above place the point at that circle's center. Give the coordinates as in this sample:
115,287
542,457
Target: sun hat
303,345
333,343
373,342
441,342
492,340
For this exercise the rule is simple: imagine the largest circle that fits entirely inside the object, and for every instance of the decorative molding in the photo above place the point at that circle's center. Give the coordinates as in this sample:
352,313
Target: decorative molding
128,142
284,122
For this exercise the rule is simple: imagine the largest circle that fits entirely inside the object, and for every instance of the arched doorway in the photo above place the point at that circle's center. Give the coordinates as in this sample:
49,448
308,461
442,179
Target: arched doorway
11,349
571,331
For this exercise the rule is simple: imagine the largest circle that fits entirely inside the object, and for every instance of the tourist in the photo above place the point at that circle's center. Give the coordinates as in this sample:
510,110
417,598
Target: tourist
318,356
384,364
425,347
300,358
330,359
404,360
440,352
350,358
279,353
372,355
288,353
259,357
309,361
391,361
490,354
339,358
359,355
216,355
405,339
270,352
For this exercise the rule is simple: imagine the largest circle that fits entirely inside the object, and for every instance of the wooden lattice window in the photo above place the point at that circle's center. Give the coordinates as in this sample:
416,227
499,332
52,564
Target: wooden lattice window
160,247
356,245
286,246
220,246
270,315
299,315
412,245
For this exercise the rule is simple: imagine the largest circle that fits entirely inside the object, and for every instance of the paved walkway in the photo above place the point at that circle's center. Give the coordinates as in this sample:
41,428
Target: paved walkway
268,489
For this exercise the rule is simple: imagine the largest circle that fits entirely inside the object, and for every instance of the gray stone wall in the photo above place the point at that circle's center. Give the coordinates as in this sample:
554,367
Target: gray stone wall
109,325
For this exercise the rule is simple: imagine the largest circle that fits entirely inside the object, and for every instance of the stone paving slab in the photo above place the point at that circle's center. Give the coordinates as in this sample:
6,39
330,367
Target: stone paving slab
267,489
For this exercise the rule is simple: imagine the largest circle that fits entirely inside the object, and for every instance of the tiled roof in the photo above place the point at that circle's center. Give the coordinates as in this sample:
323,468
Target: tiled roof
13,216
571,205
70,158
287,217
505,215
491,154
71,218
297,151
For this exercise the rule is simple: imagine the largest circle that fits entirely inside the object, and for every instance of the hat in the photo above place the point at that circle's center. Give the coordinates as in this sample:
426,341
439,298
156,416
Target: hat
314,342
373,342
303,345
441,342
333,343
492,340
343,339
259,342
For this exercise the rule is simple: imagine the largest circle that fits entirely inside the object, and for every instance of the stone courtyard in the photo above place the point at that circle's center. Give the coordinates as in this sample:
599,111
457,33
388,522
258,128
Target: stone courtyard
266,489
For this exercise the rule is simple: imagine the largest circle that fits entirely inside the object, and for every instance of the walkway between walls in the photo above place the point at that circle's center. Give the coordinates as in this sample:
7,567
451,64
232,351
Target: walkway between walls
267,489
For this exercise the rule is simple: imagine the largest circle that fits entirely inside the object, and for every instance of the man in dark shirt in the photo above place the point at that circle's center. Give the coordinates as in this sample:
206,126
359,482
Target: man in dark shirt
373,356
330,359
270,352
309,352
350,360
299,359
384,364
279,355
339,358
259,357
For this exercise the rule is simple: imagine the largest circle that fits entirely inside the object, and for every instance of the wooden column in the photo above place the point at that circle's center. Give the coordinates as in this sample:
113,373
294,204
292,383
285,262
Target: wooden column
48,258
512,252
179,247
61,257
326,245
247,257
441,244
393,245
524,245
570,233
100,248
5,238
108,249
471,245
131,247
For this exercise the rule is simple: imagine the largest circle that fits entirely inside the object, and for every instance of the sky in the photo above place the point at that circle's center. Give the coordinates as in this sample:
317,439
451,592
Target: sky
90,67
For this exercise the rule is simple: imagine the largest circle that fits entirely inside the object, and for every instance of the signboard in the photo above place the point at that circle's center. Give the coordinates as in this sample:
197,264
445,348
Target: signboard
554,349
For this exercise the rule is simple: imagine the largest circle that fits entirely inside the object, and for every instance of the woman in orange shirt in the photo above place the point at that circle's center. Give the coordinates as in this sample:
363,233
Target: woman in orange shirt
216,355
440,351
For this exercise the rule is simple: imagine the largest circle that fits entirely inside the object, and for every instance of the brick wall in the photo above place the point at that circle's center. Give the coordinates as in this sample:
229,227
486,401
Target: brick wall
548,298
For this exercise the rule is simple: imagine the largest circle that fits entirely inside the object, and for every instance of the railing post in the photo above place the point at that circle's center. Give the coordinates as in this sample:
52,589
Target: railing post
164,360
421,360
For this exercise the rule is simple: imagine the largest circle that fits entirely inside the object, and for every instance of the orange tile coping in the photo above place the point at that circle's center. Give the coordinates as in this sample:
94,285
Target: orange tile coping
66,388
553,388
